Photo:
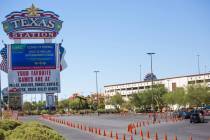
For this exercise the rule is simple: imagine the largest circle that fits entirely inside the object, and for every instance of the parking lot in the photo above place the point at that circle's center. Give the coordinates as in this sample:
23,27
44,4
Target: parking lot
183,129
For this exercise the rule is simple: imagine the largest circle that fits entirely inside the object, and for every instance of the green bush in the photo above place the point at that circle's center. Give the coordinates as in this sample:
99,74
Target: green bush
36,112
34,131
61,111
44,112
139,110
112,111
9,124
2,136
101,111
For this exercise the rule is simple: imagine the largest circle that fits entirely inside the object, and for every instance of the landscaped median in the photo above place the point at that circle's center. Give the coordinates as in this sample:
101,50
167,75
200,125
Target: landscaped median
15,130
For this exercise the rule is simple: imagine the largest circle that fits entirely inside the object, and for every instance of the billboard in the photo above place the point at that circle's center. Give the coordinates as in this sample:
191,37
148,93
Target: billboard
34,68
33,56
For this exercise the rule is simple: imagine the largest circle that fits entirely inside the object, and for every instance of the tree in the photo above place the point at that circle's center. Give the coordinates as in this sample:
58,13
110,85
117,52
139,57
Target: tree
177,97
117,100
127,105
168,99
41,105
180,97
64,104
75,104
158,92
27,107
198,95
136,100
143,100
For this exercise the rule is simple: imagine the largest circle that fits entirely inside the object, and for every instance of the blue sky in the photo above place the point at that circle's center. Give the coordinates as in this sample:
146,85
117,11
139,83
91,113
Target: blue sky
113,36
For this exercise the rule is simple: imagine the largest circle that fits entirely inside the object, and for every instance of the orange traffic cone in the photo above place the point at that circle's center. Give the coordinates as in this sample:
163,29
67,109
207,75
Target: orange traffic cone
131,138
104,132
99,131
156,136
175,137
128,128
148,135
116,136
131,131
111,134
141,133
123,137
165,137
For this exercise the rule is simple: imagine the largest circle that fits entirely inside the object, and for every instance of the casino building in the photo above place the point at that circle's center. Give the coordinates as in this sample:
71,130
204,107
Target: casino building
171,83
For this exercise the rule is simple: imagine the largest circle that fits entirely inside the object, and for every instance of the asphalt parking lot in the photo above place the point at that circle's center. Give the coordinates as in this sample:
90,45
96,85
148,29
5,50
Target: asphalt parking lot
119,123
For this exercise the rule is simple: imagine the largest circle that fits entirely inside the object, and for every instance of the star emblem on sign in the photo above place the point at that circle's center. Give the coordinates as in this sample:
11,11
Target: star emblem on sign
32,11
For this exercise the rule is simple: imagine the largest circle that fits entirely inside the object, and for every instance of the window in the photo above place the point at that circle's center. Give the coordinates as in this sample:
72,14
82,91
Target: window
207,80
135,88
199,81
147,87
191,82
141,87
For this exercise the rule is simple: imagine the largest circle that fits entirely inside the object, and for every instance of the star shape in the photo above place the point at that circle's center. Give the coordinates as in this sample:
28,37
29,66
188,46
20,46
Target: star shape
32,11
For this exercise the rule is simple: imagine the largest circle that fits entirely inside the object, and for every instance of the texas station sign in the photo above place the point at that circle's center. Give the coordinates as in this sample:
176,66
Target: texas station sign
32,23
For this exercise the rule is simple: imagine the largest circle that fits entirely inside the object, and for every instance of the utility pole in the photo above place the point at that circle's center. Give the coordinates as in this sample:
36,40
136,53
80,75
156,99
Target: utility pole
154,117
96,72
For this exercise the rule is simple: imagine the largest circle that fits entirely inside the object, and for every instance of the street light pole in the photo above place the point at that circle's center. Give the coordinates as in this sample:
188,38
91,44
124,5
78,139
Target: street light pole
154,117
96,72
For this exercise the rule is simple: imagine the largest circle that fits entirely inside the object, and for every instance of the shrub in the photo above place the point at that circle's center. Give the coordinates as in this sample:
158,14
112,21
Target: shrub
2,136
44,112
34,131
112,111
61,111
36,112
102,111
9,124
139,110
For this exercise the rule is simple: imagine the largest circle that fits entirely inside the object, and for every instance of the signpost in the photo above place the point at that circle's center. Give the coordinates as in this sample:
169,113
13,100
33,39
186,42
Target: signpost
33,68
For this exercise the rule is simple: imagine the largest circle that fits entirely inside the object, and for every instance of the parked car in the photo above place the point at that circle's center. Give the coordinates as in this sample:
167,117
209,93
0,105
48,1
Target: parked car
207,110
186,115
177,114
197,116
181,114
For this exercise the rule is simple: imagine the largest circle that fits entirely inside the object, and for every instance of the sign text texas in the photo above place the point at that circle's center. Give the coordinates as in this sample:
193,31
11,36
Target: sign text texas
46,24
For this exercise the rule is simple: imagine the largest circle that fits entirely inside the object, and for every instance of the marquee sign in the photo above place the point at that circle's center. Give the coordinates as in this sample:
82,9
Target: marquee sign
34,68
46,23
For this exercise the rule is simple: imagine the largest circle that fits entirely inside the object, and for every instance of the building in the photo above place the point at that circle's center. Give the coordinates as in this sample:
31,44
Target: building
171,83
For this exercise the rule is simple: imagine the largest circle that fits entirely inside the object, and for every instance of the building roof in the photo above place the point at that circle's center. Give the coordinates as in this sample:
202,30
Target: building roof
159,79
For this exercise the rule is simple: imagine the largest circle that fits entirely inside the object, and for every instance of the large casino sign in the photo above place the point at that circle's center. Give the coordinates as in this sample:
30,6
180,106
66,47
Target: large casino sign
32,23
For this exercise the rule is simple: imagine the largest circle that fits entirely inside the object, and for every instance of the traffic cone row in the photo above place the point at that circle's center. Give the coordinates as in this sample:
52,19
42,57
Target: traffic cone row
97,131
